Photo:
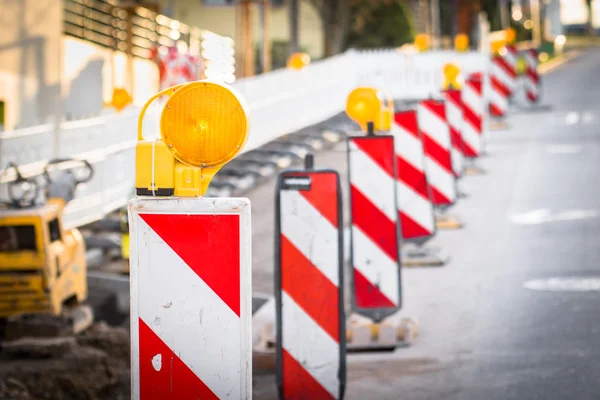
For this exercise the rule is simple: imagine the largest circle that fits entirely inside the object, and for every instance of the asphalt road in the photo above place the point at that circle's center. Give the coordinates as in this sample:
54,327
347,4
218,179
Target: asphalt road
534,215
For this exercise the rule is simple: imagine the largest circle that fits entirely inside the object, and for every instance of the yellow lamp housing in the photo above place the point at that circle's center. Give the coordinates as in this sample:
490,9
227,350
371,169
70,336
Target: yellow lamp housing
422,42
461,42
365,104
203,126
298,61
452,76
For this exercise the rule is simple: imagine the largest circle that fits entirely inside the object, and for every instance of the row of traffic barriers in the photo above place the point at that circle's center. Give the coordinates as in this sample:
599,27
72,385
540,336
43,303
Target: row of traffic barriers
191,261
403,175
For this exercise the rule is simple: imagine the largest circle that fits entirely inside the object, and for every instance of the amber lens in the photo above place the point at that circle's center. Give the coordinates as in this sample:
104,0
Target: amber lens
204,124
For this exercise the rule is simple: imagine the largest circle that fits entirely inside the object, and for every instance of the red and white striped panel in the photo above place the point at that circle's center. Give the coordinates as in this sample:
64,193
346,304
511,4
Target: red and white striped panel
310,307
191,299
509,66
454,115
375,234
532,78
414,205
473,102
435,132
500,87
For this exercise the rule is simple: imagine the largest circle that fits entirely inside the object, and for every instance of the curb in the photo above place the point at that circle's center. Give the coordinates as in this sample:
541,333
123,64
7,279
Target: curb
558,61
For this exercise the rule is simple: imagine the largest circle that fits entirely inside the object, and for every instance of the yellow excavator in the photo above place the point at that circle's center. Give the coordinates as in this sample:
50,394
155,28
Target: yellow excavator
43,271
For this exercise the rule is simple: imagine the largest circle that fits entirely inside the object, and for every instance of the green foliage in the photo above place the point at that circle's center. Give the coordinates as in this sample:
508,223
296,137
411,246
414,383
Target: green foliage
379,24
279,55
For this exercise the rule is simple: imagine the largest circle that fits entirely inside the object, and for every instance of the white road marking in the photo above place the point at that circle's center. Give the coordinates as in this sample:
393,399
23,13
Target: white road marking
531,217
566,284
572,118
587,117
563,149
544,215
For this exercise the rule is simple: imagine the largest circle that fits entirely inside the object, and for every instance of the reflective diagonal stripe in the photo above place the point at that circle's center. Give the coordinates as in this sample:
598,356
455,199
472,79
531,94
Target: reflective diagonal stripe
414,205
408,146
415,179
532,78
187,239
368,177
310,232
441,155
320,302
375,266
433,125
454,115
156,381
312,348
503,79
438,161
380,229
171,287
473,109
441,182
417,207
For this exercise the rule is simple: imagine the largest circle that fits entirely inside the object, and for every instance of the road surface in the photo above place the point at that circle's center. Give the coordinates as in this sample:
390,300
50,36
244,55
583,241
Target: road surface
490,327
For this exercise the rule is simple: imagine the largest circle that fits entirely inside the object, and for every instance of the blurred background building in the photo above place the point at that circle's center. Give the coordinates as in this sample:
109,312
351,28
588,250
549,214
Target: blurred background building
73,59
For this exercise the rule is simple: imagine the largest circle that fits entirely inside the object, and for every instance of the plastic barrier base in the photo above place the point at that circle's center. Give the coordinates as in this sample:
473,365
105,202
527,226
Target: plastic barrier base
448,222
362,334
498,125
471,171
423,257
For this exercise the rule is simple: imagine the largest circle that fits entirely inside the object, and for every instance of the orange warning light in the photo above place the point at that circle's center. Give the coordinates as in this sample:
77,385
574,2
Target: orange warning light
422,42
203,126
120,99
452,76
365,104
298,61
511,35
461,42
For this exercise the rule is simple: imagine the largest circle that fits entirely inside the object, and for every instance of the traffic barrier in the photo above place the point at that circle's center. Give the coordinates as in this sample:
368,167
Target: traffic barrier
374,255
500,88
474,113
455,118
417,218
508,62
190,256
431,116
532,78
311,339
414,203
191,294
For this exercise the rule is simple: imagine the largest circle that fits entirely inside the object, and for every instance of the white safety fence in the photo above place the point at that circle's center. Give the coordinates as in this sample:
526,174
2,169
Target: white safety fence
280,102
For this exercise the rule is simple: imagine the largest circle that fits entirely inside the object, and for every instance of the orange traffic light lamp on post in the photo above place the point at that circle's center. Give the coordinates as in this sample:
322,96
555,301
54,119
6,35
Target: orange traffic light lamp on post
364,105
190,255
203,126
453,78
298,61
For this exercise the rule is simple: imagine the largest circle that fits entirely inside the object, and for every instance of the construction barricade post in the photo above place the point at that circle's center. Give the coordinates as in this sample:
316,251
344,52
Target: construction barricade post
190,260
374,231
417,219
453,83
309,281
437,145
474,113
532,77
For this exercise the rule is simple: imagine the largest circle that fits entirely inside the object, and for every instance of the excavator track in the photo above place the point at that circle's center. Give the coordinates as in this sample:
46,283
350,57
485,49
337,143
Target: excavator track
44,335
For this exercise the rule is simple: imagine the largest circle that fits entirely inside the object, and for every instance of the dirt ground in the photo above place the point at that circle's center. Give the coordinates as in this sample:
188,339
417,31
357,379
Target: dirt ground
97,367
